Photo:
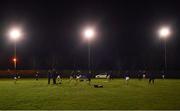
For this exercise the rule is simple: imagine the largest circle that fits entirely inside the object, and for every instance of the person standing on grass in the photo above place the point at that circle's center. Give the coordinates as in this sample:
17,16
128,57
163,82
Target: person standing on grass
54,76
109,75
37,76
151,78
163,76
18,76
89,78
144,76
59,78
49,76
127,77
77,77
15,78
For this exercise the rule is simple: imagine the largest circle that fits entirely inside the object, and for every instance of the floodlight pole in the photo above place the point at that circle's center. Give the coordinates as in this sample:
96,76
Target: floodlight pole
15,60
165,57
89,56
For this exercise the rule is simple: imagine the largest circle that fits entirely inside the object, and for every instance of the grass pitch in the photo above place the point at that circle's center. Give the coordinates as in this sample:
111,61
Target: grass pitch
32,94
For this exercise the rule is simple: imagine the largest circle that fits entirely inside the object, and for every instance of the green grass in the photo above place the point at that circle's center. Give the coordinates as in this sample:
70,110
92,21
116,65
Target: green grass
31,94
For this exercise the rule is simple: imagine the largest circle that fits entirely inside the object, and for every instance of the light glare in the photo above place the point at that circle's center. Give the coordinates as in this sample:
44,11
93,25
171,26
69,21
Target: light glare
15,34
164,32
14,59
89,33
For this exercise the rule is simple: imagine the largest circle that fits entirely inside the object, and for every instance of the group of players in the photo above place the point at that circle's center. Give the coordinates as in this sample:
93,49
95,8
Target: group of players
143,75
57,77
78,77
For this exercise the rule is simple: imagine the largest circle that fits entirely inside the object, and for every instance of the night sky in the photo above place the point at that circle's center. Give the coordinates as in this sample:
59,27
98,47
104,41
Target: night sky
126,34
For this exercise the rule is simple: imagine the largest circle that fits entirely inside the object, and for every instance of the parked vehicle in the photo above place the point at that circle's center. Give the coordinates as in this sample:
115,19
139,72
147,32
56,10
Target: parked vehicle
102,75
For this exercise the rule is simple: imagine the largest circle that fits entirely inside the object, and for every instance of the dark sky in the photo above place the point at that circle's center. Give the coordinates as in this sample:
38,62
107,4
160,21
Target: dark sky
126,34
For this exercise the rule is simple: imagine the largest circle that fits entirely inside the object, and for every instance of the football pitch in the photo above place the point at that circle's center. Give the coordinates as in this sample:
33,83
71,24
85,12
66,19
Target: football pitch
116,94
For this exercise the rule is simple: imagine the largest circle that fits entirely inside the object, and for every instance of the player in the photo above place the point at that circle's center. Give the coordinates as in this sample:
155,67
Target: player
109,74
54,76
144,76
127,78
108,77
89,78
37,76
18,76
163,76
151,78
15,78
59,79
78,77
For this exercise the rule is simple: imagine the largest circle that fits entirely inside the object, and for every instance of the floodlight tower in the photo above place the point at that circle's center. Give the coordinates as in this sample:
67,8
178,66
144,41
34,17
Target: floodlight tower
15,34
89,34
164,33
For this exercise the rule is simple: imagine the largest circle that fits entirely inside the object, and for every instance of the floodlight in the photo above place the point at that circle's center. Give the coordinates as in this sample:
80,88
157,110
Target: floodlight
15,34
14,59
89,33
164,32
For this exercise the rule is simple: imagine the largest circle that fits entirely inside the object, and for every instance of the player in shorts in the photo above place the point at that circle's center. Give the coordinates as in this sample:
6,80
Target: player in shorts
59,80
37,76
163,76
127,78
15,78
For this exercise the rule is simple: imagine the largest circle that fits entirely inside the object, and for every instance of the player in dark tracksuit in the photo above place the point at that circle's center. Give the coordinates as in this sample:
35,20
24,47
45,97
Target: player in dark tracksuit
37,76
49,76
89,78
109,75
15,78
54,76
151,78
